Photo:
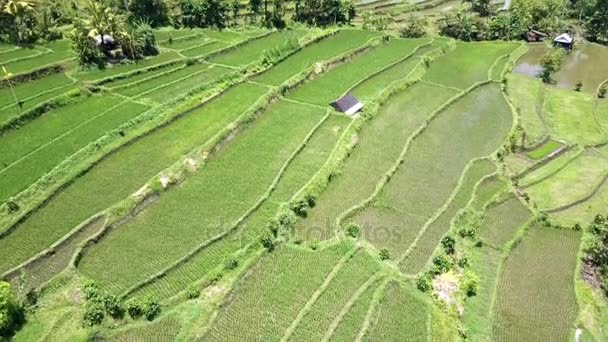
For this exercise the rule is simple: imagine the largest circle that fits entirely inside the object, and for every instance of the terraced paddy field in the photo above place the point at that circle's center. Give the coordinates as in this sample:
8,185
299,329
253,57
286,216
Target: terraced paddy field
228,190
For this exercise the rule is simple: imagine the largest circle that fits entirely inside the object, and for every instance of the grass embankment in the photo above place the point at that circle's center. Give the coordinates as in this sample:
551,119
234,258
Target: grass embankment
468,64
527,95
341,42
299,171
379,145
544,150
436,159
204,206
574,181
54,53
321,91
32,151
122,173
535,299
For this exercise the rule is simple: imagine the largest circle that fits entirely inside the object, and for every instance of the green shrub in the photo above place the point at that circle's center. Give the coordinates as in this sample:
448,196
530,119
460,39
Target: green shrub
449,245
441,264
135,308
93,313
231,264
384,254
578,86
601,93
424,283
92,292
468,284
353,230
150,308
11,314
112,306
193,292
267,241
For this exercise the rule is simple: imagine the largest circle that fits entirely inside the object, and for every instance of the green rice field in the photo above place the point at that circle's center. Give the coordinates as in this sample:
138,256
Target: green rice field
218,180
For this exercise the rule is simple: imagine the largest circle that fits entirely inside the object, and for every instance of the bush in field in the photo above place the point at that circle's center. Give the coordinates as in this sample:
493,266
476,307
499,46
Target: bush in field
441,264
93,313
134,308
578,86
551,62
602,92
384,254
193,292
231,264
84,48
150,308
267,241
424,283
414,27
324,12
483,7
92,292
11,314
468,284
449,245
13,207
112,306
353,230
596,249
276,53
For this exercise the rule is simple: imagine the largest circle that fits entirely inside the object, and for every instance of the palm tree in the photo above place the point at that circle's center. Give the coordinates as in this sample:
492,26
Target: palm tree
18,9
99,20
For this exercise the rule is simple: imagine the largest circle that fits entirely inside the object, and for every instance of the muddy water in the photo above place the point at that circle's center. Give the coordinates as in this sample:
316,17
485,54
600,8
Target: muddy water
529,64
588,63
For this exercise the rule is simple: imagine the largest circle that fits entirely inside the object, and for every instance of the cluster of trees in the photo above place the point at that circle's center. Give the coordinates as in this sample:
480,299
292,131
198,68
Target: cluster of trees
11,313
596,250
549,16
26,21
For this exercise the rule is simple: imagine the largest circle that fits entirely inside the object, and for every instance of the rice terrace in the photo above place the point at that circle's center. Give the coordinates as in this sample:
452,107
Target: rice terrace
304,170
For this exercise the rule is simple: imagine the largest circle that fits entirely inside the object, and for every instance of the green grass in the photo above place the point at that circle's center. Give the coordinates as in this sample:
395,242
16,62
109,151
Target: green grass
253,50
341,42
185,43
61,51
270,297
97,75
351,323
499,67
402,316
226,35
574,181
526,95
372,87
569,114
20,53
535,299
422,252
46,155
206,204
501,221
379,145
343,286
544,150
550,168
334,83
436,159
165,329
468,64
484,262
11,112
299,171
601,113
144,76
585,212
204,49
486,190
30,90
122,173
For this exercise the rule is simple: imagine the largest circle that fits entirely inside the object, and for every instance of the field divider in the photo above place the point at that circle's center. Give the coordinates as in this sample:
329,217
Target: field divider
144,80
401,159
318,292
302,103
19,59
348,306
236,45
373,306
239,221
383,69
584,199
123,75
441,209
439,85
544,162
37,95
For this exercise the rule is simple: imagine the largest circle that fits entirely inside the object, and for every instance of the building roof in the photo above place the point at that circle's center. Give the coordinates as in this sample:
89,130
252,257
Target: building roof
564,38
348,104
107,40
542,34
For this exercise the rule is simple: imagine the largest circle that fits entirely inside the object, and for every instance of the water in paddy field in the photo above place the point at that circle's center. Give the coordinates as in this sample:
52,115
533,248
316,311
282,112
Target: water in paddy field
586,63
529,64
